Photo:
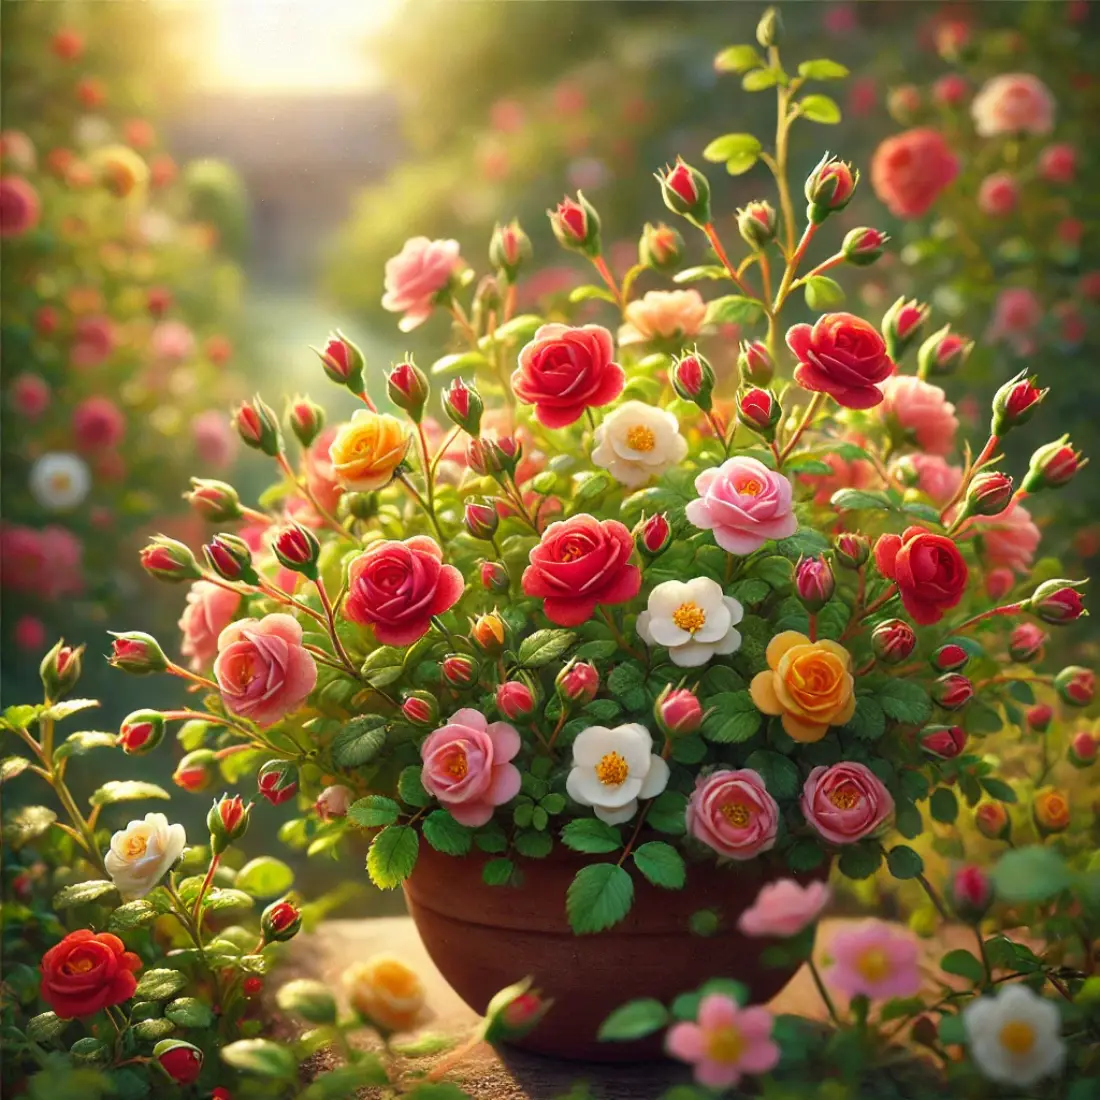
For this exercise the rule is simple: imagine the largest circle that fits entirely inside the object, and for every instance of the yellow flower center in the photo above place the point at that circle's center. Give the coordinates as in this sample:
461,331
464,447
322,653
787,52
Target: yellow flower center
135,846
458,765
572,551
1017,1037
725,1044
641,438
84,964
874,964
690,617
750,487
736,813
60,482
844,798
612,770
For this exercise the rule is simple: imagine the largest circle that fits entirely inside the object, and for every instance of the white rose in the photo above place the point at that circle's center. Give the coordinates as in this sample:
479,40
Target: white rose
693,619
637,442
141,854
1015,1036
60,481
613,768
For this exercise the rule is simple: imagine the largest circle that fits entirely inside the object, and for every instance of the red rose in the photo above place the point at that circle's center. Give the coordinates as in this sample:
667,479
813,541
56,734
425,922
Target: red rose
86,972
564,371
843,356
581,562
396,588
929,571
909,170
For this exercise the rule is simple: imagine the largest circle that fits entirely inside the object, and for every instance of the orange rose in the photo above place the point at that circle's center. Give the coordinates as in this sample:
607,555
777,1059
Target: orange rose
386,991
367,450
809,684
1051,810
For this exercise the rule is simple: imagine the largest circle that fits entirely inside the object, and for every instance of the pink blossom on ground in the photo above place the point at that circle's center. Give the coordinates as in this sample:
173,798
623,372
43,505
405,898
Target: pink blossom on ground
416,275
29,395
29,634
97,423
726,1042
935,476
785,908
876,960
921,410
93,342
215,442
210,609
1009,540
171,343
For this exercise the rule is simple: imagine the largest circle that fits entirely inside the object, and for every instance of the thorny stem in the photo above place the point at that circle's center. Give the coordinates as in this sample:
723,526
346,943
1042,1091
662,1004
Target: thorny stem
807,418
277,593
362,395
618,634
459,314
302,487
330,615
974,467
557,729
443,447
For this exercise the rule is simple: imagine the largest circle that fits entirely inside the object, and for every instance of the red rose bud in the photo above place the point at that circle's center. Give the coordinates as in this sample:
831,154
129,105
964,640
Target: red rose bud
407,387
1015,403
509,248
756,223
952,691
463,404
829,188
494,576
944,742
258,427
814,582
970,892
141,732
227,821
988,494
231,558
1053,466
1057,601
277,781
181,1061
252,986
862,247
902,324
1082,749
506,453
1075,685
1026,642
168,560
759,411
943,353
213,500
60,669
677,711
515,700
852,550
950,658
660,248
343,362
576,225
755,363
999,582
333,802
280,921
489,632
137,653
297,549
460,670
306,419
421,708
1039,717
686,192
578,682
693,380
893,641
652,535
196,771
481,519
992,821
513,1013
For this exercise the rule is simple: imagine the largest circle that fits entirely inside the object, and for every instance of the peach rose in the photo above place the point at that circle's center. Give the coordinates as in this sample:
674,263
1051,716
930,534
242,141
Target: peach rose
210,609
416,275
732,812
663,315
1051,810
1013,103
922,411
1010,539
808,684
367,450
846,802
385,991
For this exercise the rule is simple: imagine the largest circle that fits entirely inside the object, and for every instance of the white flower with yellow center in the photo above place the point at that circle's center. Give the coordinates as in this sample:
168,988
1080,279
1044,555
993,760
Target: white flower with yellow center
1015,1036
637,442
613,768
60,481
693,619
141,854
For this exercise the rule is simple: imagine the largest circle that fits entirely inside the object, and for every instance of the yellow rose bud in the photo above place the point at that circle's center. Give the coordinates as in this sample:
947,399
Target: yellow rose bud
1051,810
367,450
120,169
385,991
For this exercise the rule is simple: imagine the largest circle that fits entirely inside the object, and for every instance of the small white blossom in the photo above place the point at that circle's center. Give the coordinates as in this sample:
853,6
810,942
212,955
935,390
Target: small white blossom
613,768
693,619
637,442
1014,1036
60,481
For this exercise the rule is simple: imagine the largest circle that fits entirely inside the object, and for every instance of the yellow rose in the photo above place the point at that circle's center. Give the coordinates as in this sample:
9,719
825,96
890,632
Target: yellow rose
808,683
1051,809
385,991
367,450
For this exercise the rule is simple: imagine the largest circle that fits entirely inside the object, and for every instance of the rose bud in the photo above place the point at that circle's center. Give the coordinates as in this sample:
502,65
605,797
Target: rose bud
258,427
660,248
903,102
501,455
862,247
970,892
421,708
988,494
296,547
252,986
141,732
577,682
213,500
1015,403
999,582
576,225
230,557
769,31
489,632
944,742
280,921
944,352
357,505
760,411
481,519
181,1061
677,712
463,404
509,248
1026,642
137,653
515,700
277,781
460,670
60,669
494,576
652,535
1057,601
1039,717
227,821
829,188
992,821
196,771
513,1013
487,299
852,550
952,691
902,324
693,380
950,657
1050,809
814,582
1082,749
478,457
1075,685
686,192
333,802
168,560
756,223
1052,466
893,640
343,362
407,387
306,419
755,363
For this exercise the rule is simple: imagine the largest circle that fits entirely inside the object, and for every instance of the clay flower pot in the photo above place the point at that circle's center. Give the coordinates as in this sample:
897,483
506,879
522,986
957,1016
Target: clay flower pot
483,938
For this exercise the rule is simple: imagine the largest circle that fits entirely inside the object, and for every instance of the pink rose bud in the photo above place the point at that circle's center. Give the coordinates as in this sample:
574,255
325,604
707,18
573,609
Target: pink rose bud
755,363
998,195
893,641
460,670
481,519
578,683
902,324
158,300
944,742
196,771
514,1012
952,691
862,247
463,404
1015,403
950,90
494,576
333,802
141,732
509,249
756,223
829,188
181,1061
1058,163
759,411
489,632
280,921
988,494
1057,601
479,457
992,821
30,395
693,380
60,669
1075,685
999,582
686,192
950,657
952,39
1039,717
852,550
407,387
230,557
970,892
137,653
576,225
660,248
227,822
297,548
168,560
1082,749
515,700
421,708
1053,466
1026,642
343,362
277,781
652,535
678,712
904,102
506,453
943,353
306,419
258,427
814,582
213,500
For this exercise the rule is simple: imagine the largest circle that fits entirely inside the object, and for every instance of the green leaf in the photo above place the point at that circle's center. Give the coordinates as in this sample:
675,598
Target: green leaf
126,790
739,164
45,1027
410,787
153,1030
599,896
219,899
667,813
603,710
760,79
189,1012
159,985
780,775
1032,874
634,1020
261,1057
533,845
424,1046
732,146
822,293
919,510
964,964
807,464
751,590
734,718
134,914
951,1030
359,742
998,789
589,292
868,723
265,877
822,69
497,872
81,893
383,666
84,741
904,701
736,59
854,500
981,718
594,650
944,805
445,834
392,856
372,811
775,569
819,108
695,274
26,823
804,855
904,862
733,309
860,861
544,646
462,361
11,766
591,835
68,707
661,864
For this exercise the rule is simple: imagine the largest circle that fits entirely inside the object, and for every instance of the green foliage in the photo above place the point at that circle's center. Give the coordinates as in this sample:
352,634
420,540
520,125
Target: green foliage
599,896
392,856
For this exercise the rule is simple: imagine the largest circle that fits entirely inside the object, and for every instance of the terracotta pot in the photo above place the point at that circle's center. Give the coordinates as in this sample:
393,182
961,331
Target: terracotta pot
483,938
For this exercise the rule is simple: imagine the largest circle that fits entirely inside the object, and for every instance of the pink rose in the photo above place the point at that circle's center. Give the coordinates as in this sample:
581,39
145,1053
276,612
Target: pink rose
785,908
466,766
663,315
1058,163
319,472
97,423
922,411
210,609
416,275
909,170
29,634
20,207
171,343
1015,315
732,812
93,342
1013,103
262,670
845,802
997,195
30,395
935,476
47,562
1010,539
215,444
744,504
950,90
